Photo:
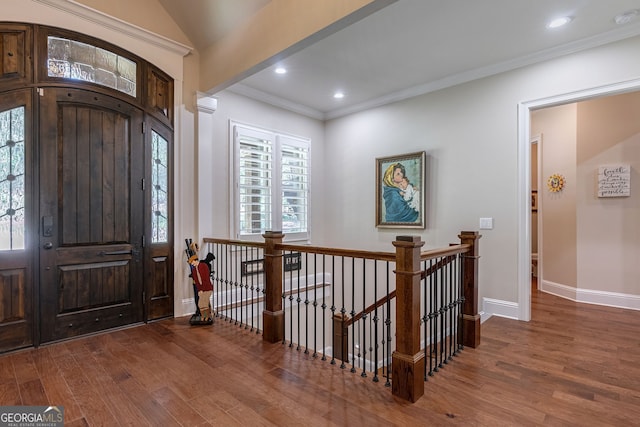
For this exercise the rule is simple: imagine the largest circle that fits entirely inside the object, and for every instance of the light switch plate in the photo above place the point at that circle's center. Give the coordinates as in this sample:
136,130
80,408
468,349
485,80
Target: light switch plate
486,223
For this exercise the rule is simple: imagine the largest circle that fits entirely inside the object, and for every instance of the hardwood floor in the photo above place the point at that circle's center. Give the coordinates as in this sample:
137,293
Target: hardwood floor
572,365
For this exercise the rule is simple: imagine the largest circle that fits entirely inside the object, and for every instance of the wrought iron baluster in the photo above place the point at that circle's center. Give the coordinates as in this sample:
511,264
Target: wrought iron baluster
291,307
434,319
375,322
450,307
333,306
243,280
353,313
260,292
306,304
456,314
234,286
315,306
461,301
252,288
324,309
214,248
298,300
343,310
388,325
425,317
445,309
363,345
441,316
226,282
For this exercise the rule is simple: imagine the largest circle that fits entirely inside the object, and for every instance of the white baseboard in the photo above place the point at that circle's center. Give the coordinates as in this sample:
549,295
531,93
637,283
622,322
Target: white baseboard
495,307
188,307
508,309
590,296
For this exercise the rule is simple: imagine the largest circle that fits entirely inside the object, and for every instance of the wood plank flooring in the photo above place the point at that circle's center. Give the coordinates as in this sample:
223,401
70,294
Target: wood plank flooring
572,365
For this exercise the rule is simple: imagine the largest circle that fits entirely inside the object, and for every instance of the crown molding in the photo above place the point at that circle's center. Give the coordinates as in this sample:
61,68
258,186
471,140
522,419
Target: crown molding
449,81
276,101
479,73
118,25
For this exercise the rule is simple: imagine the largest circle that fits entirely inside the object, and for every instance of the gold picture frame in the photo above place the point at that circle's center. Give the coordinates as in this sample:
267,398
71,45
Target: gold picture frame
400,191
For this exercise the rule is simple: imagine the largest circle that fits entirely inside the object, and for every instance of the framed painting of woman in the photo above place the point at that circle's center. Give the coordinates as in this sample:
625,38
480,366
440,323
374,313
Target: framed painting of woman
400,191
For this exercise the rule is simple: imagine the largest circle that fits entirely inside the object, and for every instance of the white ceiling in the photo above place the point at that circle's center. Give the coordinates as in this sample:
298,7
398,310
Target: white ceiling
416,46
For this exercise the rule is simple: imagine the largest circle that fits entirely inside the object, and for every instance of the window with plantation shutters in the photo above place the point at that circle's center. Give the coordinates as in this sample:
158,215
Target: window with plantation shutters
294,184
255,172
272,183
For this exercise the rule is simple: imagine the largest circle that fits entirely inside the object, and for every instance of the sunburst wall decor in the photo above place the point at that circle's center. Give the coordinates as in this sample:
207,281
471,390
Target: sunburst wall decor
555,183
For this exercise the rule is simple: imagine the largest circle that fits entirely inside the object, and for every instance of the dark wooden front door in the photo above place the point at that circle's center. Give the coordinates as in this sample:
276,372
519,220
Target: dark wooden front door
91,213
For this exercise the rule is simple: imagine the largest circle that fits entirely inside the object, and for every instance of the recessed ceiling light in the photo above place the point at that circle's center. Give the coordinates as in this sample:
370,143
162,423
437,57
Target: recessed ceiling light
626,17
559,22
338,95
281,70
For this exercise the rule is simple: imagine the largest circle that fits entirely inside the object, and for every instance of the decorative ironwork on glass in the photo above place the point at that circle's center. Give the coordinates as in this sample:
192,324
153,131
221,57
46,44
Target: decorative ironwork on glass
12,184
159,189
71,59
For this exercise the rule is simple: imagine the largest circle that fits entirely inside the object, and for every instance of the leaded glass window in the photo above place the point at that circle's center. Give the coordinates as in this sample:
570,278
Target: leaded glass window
160,188
72,59
12,185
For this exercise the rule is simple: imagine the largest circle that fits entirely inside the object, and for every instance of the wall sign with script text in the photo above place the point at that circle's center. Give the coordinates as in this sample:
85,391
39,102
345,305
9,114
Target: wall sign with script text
614,181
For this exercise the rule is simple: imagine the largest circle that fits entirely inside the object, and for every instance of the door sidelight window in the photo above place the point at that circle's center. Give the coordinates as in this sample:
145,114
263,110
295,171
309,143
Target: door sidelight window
12,185
159,188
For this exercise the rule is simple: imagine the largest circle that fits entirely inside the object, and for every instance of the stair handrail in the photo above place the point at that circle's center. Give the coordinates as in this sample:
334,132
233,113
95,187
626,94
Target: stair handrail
448,254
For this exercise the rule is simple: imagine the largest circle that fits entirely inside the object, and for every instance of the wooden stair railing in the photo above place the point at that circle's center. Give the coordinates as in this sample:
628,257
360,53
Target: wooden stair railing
408,359
342,323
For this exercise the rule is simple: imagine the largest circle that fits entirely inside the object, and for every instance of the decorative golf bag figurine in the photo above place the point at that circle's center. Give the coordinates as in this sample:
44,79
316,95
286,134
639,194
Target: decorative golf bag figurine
202,286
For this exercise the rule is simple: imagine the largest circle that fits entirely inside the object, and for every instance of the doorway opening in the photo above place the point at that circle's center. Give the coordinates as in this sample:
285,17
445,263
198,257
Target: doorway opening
524,179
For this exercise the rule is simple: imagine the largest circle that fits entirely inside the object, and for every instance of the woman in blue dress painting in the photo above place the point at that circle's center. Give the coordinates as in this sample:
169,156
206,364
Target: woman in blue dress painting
396,207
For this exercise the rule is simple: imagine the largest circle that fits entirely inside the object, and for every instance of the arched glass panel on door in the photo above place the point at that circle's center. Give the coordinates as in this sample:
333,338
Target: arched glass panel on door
12,185
72,59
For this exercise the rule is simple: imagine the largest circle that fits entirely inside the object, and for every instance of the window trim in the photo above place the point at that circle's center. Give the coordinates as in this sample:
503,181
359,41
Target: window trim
276,194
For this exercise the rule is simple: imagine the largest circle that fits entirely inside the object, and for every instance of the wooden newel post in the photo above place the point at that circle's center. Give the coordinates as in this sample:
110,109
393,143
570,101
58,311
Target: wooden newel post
470,316
273,315
340,337
407,370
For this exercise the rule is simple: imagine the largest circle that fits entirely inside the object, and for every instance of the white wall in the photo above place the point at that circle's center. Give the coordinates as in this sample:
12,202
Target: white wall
215,175
470,133
608,228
